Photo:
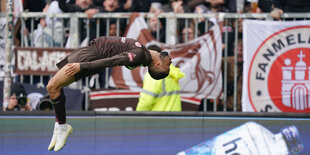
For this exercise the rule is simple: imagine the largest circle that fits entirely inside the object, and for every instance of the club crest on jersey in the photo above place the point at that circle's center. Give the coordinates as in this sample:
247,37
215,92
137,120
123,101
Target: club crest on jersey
131,56
123,39
138,44
279,74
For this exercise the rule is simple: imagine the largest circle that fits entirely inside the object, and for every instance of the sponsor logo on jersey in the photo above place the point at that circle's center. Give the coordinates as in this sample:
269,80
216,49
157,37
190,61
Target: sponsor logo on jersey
138,44
123,39
279,74
131,56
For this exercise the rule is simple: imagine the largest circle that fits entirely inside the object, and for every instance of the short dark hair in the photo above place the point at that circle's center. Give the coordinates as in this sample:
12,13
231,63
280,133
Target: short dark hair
157,75
154,48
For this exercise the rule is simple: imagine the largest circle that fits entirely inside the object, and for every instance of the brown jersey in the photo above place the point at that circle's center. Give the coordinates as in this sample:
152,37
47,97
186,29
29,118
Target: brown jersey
105,52
118,51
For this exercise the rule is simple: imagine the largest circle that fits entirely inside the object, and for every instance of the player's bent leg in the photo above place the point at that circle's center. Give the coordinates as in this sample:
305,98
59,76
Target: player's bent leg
54,87
59,80
62,134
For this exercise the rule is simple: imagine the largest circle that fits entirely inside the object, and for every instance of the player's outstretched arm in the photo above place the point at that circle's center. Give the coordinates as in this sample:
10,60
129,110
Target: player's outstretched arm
117,60
72,69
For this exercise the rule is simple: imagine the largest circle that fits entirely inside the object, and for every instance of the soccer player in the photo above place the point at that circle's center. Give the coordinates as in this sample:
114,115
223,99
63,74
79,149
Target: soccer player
102,52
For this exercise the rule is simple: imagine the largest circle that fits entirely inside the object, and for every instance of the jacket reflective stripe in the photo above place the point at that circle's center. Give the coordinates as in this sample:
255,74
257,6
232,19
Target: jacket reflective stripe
164,93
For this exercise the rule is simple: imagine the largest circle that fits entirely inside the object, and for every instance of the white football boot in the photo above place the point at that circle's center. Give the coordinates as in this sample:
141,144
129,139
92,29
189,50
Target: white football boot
53,141
64,130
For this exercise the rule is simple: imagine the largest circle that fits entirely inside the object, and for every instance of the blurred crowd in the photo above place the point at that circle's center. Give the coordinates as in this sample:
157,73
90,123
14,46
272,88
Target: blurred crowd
47,26
47,32
91,7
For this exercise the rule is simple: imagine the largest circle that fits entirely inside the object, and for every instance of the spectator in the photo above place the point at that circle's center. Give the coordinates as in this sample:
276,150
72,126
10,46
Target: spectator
247,8
156,7
18,99
161,95
125,5
139,6
202,27
188,34
98,2
79,6
82,6
111,6
153,23
230,78
43,35
113,29
176,6
213,6
227,5
264,6
30,7
281,6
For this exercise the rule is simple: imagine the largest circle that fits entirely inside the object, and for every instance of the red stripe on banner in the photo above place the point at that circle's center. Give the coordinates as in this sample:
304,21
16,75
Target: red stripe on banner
192,99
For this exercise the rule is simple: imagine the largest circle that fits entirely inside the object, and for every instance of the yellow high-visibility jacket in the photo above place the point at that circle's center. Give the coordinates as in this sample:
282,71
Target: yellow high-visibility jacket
161,95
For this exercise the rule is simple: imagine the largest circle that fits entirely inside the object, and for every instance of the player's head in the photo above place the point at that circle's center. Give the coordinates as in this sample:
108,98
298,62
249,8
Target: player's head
160,65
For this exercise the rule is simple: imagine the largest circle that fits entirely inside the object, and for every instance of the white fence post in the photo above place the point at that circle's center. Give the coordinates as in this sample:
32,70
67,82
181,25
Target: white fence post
8,52
171,27
74,32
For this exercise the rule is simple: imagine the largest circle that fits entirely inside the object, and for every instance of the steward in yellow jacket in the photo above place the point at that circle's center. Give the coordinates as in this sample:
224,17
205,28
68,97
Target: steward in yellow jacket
161,95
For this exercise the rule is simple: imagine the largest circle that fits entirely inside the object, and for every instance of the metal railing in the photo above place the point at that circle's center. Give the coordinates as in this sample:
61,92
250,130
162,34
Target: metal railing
227,20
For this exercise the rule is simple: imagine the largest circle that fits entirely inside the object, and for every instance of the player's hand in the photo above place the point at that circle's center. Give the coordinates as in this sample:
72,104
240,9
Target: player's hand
72,69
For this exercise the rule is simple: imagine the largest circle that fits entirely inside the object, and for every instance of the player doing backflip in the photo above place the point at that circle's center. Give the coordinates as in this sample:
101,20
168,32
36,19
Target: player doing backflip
102,52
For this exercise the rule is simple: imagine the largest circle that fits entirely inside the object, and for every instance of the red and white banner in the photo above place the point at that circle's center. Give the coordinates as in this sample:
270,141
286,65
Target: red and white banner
276,66
199,59
38,61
